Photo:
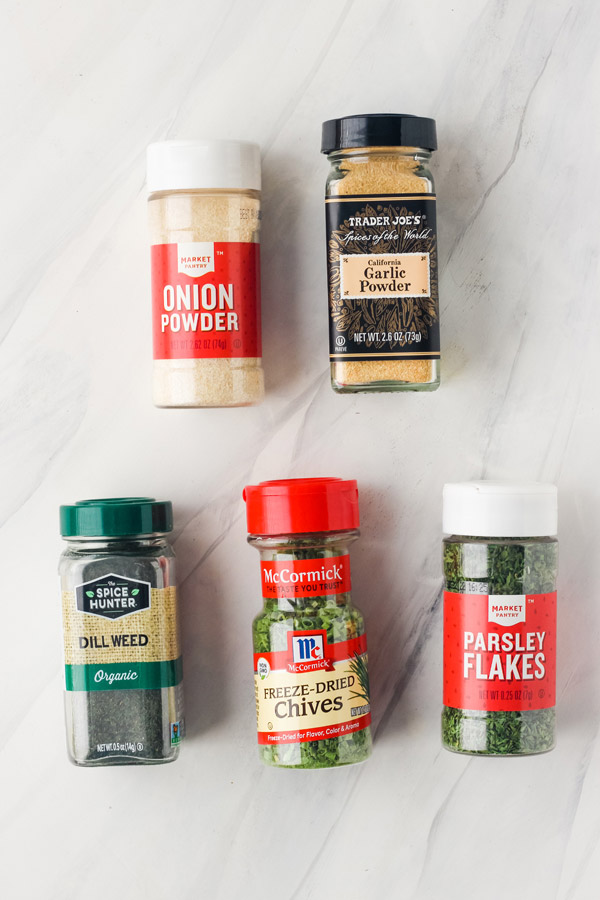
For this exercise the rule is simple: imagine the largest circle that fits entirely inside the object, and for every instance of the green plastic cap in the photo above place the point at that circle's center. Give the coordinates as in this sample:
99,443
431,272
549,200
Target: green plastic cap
116,517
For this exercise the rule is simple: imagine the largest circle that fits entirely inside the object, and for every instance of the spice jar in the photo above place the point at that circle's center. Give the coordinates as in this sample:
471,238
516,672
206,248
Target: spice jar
123,669
310,648
204,210
382,260
500,568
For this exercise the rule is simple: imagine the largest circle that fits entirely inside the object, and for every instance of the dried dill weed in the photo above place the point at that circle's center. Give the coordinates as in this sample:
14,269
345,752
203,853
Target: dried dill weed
204,215
382,254
123,664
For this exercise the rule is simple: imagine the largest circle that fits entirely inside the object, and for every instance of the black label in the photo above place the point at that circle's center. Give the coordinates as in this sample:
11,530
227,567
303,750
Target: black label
382,270
113,596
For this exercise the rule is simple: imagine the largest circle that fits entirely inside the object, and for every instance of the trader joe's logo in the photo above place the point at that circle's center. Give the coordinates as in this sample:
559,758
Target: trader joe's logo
113,596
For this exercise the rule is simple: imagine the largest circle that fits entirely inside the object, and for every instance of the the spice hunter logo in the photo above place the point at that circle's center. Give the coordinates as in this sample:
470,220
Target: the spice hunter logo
113,596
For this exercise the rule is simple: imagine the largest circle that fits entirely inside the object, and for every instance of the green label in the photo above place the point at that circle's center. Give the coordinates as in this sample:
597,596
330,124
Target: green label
177,729
125,676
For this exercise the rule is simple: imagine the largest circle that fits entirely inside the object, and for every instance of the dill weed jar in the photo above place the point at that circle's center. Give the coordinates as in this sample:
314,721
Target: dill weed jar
500,568
382,261
204,213
123,668
310,648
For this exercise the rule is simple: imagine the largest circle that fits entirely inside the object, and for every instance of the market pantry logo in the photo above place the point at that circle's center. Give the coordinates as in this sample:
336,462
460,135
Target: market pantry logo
196,259
308,649
506,609
113,596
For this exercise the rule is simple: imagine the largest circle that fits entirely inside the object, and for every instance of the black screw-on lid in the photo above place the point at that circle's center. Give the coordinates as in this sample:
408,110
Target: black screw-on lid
378,130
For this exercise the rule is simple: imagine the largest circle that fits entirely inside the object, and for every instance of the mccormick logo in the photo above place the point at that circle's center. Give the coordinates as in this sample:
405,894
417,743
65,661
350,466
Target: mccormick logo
307,652
305,577
287,575
506,609
112,596
307,649
196,259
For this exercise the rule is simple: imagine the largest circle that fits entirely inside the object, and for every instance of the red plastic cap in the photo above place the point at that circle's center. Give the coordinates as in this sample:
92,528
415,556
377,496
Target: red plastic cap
301,505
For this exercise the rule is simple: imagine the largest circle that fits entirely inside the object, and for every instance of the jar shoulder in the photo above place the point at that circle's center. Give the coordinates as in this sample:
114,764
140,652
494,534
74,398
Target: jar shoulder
87,550
340,622
500,566
155,563
379,174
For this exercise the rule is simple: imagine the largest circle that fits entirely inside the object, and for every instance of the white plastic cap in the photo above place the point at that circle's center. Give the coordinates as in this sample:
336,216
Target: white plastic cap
200,165
500,509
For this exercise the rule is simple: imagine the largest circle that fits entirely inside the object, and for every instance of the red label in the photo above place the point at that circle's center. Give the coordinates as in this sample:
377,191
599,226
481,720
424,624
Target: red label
314,734
499,651
206,300
306,577
317,655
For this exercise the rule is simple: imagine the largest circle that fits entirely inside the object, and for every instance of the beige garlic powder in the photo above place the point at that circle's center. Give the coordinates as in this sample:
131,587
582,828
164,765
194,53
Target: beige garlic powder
384,174
382,253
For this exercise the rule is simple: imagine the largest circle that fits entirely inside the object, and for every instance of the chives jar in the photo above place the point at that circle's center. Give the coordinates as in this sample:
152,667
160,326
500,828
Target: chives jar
382,259
123,668
500,568
310,648
204,212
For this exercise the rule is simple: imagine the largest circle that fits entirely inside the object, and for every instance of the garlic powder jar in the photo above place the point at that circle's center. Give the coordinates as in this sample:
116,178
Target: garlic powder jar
382,260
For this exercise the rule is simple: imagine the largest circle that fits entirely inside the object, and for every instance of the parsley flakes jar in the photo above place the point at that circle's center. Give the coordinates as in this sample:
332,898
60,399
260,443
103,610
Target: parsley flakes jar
310,648
500,568
123,668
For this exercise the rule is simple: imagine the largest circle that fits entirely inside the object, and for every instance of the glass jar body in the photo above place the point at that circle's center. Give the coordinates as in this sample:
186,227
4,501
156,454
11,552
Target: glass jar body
208,217
384,175
503,567
117,725
333,615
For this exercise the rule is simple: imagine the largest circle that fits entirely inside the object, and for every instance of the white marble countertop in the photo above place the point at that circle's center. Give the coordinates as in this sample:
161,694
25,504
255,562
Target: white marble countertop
86,87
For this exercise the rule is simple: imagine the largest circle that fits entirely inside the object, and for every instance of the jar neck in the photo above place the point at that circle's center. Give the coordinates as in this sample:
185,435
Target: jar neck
480,565
128,543
302,546
205,192
477,539
315,549
411,154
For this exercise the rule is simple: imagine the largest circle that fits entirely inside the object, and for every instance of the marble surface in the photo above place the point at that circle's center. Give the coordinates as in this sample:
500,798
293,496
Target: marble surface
86,87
